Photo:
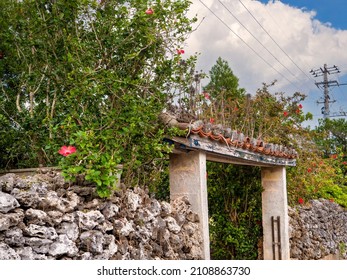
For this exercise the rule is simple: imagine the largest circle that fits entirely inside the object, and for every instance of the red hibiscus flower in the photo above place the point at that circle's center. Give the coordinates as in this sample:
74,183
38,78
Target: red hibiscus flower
65,151
207,96
149,11
285,113
298,111
301,200
300,106
309,170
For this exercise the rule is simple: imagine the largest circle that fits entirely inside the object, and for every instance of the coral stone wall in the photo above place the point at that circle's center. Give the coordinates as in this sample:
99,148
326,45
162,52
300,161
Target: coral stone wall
318,230
42,217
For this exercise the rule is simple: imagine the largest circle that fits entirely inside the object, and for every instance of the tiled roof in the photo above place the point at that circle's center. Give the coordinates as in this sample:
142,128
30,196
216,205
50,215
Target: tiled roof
239,140
230,137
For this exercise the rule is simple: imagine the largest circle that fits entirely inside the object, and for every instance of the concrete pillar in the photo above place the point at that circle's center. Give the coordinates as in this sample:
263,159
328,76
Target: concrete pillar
274,204
188,178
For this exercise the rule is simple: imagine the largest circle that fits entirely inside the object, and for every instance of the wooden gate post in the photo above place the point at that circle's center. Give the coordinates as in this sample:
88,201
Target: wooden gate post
188,178
275,208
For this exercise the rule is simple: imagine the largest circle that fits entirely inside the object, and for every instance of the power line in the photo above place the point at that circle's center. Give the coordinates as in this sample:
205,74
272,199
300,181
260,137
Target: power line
223,22
257,39
281,30
274,40
325,71
338,80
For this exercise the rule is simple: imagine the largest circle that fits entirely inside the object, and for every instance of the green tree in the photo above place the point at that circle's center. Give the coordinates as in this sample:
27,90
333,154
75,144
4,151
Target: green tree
93,74
222,96
223,83
333,136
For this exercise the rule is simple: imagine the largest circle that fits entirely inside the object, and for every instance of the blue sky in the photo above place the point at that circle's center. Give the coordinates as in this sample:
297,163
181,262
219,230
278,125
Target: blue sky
266,40
332,11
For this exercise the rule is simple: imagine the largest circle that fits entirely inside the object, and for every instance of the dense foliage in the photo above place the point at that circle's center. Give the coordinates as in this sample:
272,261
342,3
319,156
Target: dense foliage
235,191
92,74
235,211
82,85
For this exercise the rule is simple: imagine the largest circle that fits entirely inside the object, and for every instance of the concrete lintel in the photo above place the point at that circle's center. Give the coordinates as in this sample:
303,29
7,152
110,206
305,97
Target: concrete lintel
188,178
274,204
220,152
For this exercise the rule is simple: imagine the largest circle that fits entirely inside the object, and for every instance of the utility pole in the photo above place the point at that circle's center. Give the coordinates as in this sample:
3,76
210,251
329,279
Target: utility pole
326,84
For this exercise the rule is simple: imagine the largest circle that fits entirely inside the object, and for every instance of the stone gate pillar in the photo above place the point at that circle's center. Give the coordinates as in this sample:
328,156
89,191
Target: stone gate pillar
188,178
274,205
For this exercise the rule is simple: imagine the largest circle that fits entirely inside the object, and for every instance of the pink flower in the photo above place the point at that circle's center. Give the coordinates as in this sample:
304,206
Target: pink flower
207,96
211,120
300,106
344,163
301,200
149,11
285,113
65,151
180,51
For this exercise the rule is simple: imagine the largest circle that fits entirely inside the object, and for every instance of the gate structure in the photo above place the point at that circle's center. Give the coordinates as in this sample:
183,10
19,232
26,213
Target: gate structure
211,143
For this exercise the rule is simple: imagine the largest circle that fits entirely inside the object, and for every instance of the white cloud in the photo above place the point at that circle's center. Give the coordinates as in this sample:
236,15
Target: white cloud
308,42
